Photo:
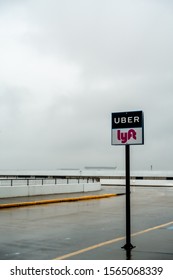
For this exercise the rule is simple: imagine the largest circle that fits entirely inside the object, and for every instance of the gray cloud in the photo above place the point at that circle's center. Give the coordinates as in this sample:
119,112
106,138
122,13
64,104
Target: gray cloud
66,65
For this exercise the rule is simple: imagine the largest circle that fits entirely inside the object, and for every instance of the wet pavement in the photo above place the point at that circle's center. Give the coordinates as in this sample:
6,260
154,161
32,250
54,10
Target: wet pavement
89,229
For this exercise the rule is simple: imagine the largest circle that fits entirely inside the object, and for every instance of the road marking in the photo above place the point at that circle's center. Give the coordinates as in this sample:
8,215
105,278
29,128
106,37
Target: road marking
153,228
59,200
110,242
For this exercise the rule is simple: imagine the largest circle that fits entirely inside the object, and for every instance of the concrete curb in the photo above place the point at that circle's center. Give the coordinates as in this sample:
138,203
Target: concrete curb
69,199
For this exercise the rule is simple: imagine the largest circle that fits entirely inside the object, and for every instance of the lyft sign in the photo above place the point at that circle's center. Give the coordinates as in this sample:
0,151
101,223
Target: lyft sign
127,128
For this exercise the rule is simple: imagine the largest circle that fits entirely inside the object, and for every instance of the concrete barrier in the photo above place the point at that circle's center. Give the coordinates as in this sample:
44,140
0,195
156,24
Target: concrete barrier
138,183
17,191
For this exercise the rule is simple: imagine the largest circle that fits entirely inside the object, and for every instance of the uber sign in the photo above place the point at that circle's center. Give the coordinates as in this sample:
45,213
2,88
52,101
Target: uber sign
127,128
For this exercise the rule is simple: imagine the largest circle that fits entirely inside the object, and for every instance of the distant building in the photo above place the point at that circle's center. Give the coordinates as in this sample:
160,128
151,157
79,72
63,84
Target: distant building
101,167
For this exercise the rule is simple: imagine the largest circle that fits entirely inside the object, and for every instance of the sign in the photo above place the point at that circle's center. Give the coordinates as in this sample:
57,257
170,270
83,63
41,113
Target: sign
127,128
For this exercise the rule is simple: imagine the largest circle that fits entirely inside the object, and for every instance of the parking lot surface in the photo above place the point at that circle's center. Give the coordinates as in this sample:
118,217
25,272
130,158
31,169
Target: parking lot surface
90,229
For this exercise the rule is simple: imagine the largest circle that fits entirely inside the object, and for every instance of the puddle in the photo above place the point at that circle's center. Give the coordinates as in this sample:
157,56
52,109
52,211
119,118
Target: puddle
170,228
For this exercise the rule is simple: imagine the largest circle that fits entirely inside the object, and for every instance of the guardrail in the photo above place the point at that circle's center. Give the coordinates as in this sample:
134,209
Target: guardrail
30,180
27,181
45,181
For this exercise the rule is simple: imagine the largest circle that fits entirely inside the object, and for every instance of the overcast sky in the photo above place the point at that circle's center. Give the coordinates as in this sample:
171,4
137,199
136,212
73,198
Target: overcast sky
66,65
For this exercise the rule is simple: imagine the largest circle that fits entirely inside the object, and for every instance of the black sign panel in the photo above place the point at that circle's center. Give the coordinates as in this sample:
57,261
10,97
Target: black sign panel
127,119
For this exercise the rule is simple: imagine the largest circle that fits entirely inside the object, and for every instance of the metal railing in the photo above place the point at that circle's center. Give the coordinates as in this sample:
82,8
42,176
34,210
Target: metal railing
44,181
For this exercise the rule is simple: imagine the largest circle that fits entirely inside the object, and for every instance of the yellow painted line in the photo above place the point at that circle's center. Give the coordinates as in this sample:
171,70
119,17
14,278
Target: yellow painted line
153,228
90,248
110,242
59,200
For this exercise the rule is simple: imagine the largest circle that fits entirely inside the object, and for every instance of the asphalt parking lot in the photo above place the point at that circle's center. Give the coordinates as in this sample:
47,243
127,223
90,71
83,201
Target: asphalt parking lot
89,229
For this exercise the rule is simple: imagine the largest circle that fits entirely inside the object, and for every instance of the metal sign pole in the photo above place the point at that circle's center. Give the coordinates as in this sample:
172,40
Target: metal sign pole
128,246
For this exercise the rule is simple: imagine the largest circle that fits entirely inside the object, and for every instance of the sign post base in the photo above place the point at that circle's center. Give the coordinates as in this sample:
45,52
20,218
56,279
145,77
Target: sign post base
128,246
